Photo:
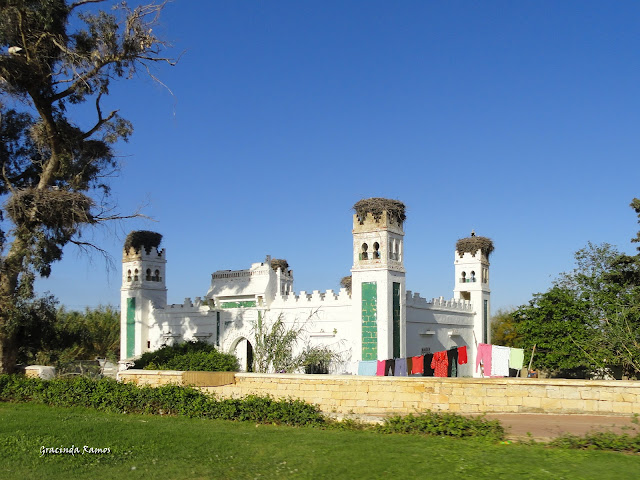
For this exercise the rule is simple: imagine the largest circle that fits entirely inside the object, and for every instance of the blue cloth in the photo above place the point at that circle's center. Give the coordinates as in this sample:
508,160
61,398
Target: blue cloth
401,367
367,367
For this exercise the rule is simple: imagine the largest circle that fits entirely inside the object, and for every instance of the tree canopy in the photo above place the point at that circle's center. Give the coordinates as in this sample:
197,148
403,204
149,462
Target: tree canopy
53,55
590,318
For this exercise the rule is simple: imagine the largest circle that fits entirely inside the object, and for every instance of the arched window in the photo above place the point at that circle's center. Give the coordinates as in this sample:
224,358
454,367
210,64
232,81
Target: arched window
128,275
156,276
364,255
376,250
135,275
463,279
473,277
149,275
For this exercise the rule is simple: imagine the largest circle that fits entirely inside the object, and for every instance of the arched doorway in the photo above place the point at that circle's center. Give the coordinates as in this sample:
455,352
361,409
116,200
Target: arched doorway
244,351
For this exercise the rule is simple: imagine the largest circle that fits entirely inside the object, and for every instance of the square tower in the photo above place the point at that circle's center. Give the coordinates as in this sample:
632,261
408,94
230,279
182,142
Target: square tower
472,281
378,278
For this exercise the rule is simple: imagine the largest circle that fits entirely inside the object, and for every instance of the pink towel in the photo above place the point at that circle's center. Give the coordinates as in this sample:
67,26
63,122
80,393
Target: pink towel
484,354
380,368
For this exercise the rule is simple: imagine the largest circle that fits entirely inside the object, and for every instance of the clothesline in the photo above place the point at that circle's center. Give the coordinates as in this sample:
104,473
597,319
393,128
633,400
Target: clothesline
439,364
496,360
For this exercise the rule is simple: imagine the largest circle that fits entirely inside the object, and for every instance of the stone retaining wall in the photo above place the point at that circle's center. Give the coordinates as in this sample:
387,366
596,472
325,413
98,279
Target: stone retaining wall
403,395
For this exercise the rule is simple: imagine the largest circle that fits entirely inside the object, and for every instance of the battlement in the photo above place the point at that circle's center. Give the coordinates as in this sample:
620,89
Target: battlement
471,257
314,299
189,305
416,301
132,255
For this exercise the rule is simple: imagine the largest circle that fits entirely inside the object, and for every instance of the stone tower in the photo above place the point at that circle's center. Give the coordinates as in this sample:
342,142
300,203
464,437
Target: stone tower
378,278
143,288
472,281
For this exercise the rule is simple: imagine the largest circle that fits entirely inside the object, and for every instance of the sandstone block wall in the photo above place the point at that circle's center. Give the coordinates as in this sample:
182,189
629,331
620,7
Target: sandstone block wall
404,395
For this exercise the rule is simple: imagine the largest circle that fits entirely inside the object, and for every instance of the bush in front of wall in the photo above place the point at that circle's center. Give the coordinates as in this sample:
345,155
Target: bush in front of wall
443,424
112,396
188,356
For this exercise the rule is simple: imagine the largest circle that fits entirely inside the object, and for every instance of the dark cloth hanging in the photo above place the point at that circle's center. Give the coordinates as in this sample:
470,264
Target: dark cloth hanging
409,361
452,358
390,368
426,365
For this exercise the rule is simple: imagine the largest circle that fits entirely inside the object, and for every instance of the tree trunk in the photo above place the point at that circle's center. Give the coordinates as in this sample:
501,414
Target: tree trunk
9,275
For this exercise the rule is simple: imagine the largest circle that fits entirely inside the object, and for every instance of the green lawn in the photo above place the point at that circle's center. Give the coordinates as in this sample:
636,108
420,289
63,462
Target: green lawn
155,447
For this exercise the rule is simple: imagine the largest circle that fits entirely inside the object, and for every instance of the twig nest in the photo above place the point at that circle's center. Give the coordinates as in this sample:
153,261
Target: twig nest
473,244
54,209
377,206
279,263
346,283
139,239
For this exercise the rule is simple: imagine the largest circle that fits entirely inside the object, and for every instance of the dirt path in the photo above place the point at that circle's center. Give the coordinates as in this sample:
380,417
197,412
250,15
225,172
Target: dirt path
548,426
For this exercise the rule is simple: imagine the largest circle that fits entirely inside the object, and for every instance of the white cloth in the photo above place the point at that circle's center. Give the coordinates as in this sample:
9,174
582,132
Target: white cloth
500,361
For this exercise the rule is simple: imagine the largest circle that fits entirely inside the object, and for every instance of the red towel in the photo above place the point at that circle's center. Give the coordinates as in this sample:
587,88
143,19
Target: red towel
418,364
462,355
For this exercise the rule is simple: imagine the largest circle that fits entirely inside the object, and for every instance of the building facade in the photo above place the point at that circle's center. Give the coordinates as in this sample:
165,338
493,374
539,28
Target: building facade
377,320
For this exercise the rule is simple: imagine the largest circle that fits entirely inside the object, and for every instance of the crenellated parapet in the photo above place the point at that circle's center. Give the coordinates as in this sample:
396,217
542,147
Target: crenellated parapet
190,305
414,300
316,299
132,254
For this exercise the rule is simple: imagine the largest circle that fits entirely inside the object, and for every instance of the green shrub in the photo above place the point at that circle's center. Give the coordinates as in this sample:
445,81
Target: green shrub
192,356
443,424
112,396
600,441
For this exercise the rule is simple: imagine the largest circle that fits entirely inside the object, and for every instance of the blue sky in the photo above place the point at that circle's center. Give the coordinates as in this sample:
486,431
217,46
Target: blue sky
517,119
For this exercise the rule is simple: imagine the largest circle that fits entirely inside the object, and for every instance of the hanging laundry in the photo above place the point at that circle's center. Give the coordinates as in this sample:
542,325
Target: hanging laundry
417,366
440,364
499,361
484,355
426,365
462,355
452,359
516,358
409,365
380,368
367,367
390,367
401,367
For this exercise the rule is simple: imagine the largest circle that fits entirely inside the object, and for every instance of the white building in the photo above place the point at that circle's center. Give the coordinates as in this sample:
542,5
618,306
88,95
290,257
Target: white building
380,319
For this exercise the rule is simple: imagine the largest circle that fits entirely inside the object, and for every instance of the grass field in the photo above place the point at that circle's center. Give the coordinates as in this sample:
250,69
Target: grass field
181,448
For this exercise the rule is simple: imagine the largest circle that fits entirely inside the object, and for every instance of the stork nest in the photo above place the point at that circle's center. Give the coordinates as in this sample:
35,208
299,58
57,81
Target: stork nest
346,283
473,244
279,263
377,206
55,209
142,238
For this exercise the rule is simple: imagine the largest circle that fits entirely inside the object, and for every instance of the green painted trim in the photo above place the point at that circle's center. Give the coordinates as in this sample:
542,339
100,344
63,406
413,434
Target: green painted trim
217,329
131,327
369,321
245,304
485,318
396,320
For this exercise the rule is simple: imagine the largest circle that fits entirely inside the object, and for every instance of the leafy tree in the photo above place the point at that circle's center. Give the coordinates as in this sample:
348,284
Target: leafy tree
52,170
591,315
503,329
35,323
559,323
